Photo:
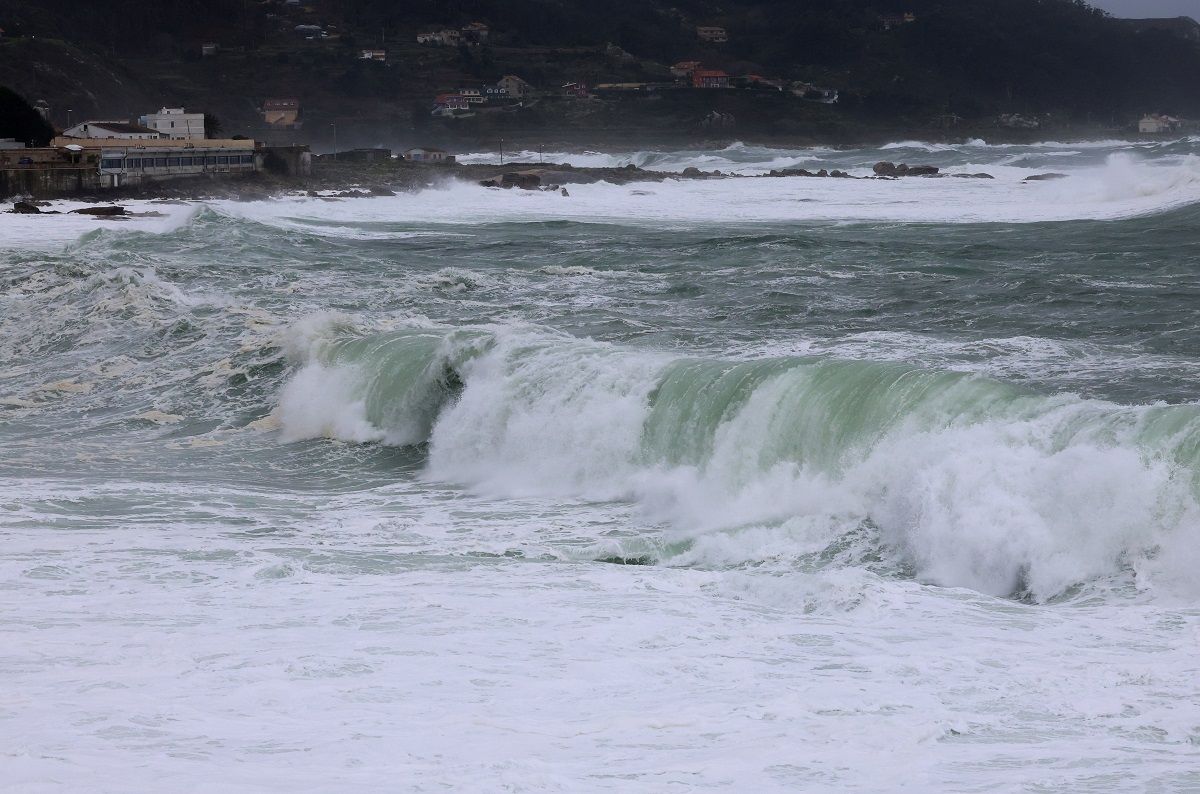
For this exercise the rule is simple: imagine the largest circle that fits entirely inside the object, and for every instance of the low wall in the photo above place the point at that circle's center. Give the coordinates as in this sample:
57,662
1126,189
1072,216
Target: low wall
48,182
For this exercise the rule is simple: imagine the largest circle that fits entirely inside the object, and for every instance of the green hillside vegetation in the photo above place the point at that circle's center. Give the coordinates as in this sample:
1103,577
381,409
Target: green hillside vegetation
1059,60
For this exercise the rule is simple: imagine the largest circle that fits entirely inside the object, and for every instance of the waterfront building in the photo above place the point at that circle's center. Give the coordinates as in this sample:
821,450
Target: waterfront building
130,162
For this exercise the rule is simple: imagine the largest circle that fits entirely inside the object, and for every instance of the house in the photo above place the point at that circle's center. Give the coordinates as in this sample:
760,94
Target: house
431,37
111,130
712,34
494,93
311,31
514,86
890,21
683,70
474,96
11,143
428,155
1157,124
372,55
475,33
709,78
577,90
449,38
209,49
283,113
175,124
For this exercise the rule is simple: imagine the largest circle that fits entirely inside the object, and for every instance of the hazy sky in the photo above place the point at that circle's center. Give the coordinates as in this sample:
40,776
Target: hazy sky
1150,8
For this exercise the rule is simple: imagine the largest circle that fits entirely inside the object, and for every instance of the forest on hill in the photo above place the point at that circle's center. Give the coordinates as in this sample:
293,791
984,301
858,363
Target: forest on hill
974,59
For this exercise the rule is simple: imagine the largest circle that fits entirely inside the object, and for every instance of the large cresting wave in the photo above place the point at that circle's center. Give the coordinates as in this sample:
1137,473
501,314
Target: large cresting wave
960,480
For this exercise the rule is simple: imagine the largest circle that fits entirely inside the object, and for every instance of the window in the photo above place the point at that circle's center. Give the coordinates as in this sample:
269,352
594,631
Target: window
160,162
111,163
173,162
248,159
222,160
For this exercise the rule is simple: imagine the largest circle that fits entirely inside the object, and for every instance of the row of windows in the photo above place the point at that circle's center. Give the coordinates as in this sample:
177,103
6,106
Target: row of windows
135,163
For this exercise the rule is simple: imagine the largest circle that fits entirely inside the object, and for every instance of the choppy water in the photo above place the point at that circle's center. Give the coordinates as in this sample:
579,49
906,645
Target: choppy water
750,484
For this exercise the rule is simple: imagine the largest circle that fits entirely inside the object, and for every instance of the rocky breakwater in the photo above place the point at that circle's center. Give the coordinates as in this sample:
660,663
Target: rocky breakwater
554,176
893,171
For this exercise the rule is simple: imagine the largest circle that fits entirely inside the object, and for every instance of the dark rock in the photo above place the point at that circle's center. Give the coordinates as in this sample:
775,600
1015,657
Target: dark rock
489,183
891,169
631,167
100,211
822,172
381,191
973,176
25,208
692,171
521,179
565,193
1044,177
840,174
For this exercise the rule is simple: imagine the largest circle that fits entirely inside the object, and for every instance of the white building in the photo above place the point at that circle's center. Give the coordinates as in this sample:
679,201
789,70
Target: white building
514,86
428,155
1157,125
173,123
121,130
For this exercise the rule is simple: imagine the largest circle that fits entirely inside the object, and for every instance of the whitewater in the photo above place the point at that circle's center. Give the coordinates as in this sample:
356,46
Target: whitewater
739,484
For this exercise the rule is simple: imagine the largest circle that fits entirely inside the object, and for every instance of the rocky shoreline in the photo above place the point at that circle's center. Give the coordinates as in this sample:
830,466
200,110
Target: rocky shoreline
331,180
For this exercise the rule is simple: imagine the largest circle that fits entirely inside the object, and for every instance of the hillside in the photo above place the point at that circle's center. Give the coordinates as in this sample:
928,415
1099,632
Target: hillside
948,64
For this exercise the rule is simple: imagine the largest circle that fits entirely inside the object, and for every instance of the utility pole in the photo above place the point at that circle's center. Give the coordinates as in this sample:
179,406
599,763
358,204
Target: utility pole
501,151
335,146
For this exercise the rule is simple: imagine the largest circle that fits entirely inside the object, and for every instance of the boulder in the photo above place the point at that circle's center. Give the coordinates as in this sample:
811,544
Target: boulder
892,170
521,179
25,208
1044,177
100,211
692,171
973,176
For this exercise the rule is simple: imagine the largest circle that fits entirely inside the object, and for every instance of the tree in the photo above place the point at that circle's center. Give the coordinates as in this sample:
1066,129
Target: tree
212,126
19,120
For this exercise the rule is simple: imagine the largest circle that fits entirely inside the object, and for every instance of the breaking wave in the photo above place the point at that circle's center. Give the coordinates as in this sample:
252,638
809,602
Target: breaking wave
957,479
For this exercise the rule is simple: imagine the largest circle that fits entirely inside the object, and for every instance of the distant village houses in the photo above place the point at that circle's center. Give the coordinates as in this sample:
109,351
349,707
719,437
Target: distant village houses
474,33
373,55
713,34
209,49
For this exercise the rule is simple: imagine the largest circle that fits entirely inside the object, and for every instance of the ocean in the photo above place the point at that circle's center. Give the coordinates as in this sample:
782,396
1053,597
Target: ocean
745,484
